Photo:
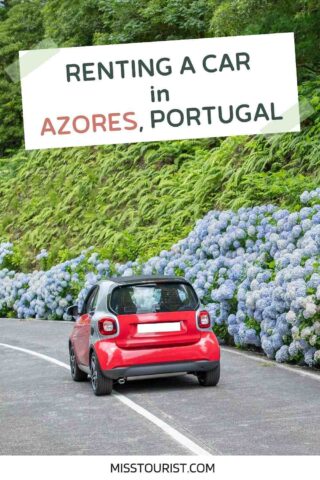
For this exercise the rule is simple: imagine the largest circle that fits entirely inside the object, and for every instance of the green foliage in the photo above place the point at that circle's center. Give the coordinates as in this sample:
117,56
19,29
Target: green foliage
20,29
74,24
152,20
245,17
252,323
134,200
221,332
88,22
274,168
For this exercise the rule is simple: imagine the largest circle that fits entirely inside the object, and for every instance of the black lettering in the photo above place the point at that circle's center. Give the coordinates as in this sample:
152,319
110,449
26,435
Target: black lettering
187,65
74,73
273,115
86,72
115,468
247,115
223,120
167,68
143,66
226,63
205,66
102,69
245,60
208,110
193,114
122,63
154,118
173,112
261,112
160,94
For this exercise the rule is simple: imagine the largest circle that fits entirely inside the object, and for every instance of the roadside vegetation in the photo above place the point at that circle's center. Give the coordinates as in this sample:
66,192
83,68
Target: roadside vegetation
256,270
229,214
131,201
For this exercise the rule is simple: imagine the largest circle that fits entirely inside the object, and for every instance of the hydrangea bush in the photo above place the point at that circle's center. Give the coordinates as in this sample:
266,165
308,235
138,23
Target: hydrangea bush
257,270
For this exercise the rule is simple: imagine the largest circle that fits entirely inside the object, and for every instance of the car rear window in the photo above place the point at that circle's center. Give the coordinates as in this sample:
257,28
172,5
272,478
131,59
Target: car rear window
152,298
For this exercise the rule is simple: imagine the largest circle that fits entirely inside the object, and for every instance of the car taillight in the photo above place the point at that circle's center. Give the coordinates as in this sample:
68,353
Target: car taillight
107,326
204,320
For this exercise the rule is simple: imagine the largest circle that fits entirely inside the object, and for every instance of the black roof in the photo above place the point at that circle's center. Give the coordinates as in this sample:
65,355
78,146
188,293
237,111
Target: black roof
146,279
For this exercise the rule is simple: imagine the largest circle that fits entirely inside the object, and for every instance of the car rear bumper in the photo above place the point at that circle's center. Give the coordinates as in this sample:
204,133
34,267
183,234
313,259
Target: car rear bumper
159,368
112,357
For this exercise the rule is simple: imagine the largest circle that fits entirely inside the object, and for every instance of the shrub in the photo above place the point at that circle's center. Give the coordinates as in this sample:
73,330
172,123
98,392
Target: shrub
256,269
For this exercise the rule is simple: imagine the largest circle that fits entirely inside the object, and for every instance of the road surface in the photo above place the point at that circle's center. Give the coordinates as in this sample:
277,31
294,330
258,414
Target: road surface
258,408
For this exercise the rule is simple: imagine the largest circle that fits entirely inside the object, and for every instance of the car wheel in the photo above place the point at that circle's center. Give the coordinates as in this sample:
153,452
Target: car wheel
76,374
100,384
210,378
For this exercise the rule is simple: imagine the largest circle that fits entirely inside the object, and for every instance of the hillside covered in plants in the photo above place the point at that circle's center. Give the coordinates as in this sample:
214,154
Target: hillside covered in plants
239,217
257,270
131,201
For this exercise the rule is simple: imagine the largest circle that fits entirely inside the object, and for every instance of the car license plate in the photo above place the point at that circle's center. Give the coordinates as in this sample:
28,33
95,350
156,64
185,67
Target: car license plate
159,327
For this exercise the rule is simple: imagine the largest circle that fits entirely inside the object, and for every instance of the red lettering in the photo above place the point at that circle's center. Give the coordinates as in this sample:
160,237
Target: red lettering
82,123
101,123
129,120
113,122
47,127
61,130
76,128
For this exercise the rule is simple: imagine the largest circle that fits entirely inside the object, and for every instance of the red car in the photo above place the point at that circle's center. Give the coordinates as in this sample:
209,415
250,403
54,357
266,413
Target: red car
143,325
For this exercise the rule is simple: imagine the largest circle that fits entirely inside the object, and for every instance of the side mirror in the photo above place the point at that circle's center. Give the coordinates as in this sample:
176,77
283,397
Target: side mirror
73,312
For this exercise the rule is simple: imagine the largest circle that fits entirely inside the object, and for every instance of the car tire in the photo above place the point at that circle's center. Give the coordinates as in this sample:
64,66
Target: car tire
100,384
76,374
209,378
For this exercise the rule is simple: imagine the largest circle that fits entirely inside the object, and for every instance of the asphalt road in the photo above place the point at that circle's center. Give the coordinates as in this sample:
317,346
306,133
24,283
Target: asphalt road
257,408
